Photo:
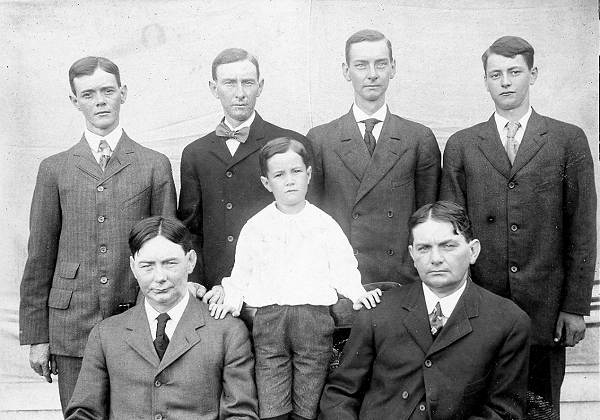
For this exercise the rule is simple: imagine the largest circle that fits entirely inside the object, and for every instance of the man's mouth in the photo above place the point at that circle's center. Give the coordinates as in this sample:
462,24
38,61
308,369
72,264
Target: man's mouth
506,93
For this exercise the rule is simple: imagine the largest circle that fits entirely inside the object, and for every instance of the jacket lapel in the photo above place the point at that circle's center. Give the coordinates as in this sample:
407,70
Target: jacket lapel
458,325
491,146
139,337
185,335
121,157
351,148
416,320
253,143
84,159
390,147
533,140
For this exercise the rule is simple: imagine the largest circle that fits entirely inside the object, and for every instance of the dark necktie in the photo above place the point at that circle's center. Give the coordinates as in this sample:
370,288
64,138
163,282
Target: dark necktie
240,135
436,320
511,143
369,138
162,341
104,148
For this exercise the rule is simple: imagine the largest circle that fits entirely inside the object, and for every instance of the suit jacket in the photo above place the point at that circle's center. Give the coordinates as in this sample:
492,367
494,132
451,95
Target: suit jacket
536,220
392,368
220,192
77,271
206,373
372,198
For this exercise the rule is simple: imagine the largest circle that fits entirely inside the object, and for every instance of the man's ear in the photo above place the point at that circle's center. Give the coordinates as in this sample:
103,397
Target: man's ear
75,102
192,258
346,71
475,247
410,251
123,90
265,182
261,84
212,85
132,266
533,76
393,72
309,173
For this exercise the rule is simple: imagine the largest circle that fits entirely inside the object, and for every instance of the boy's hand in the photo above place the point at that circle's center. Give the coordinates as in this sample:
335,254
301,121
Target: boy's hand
219,310
369,300
214,295
196,289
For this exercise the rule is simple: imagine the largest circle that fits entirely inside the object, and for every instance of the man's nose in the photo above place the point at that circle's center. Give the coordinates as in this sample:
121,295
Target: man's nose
436,256
239,91
505,80
159,274
372,71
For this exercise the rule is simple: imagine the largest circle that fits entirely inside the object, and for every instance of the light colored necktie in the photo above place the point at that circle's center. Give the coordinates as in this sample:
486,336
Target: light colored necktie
104,148
240,135
436,319
511,143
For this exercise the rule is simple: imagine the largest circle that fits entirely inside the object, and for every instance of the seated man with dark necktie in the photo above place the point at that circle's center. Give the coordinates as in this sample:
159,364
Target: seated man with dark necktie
441,348
166,358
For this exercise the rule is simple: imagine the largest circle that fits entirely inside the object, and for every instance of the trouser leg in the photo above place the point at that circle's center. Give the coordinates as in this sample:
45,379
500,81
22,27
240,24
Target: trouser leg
68,371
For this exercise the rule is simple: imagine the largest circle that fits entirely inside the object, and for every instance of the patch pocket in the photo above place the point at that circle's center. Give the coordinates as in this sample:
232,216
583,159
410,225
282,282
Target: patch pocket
59,298
68,270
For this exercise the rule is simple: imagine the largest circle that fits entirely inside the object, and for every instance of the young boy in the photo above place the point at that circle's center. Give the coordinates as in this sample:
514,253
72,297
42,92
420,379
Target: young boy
290,259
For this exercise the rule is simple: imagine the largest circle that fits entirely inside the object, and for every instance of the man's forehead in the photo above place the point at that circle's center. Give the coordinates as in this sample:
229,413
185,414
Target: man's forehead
99,78
436,231
243,69
369,50
497,62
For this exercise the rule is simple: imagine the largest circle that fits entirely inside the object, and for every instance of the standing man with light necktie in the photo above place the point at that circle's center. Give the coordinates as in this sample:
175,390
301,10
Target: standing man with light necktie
527,182
85,202
220,173
372,168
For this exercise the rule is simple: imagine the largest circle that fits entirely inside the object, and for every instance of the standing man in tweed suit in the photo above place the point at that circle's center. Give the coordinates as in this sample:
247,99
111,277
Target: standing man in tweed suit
85,202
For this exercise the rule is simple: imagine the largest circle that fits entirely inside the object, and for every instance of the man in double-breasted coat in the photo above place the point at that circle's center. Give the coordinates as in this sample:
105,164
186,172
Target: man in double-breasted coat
372,168
531,196
77,267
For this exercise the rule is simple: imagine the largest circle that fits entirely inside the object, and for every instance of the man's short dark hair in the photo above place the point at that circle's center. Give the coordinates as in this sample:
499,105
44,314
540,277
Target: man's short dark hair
370,35
509,46
442,211
280,145
167,227
233,55
86,66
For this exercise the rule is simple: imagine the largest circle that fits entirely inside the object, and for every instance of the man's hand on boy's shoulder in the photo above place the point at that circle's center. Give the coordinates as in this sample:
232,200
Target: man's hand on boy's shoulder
220,310
368,300
214,295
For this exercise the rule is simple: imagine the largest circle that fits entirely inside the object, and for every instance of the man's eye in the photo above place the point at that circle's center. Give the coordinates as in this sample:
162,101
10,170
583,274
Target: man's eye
494,76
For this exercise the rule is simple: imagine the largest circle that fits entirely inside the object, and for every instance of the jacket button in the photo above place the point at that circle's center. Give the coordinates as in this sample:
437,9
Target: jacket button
422,407
103,279
100,188
158,417
390,213
157,383
390,252
228,174
491,219
228,206
355,216
511,185
229,238
101,219
103,249
355,251
428,363
514,228
514,269
405,394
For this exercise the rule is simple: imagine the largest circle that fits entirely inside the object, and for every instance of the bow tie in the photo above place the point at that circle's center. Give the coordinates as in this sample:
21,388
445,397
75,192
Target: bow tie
240,135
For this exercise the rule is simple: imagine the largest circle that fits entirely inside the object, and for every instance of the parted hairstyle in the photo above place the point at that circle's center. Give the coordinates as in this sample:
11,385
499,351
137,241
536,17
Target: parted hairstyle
167,227
509,46
233,55
442,211
86,66
369,35
280,145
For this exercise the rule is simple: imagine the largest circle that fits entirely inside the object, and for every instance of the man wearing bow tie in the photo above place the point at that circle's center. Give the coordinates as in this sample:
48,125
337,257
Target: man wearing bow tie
220,173
86,200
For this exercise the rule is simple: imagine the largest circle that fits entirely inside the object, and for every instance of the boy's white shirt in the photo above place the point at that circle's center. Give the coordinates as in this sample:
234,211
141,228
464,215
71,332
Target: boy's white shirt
292,259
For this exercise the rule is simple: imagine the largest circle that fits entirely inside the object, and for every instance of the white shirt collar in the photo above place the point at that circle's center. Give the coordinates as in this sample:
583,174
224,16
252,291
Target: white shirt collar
111,138
174,313
501,122
448,303
246,123
360,115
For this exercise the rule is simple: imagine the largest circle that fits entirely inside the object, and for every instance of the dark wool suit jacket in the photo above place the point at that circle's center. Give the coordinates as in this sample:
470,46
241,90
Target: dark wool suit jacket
392,369
536,220
206,373
219,193
77,271
372,198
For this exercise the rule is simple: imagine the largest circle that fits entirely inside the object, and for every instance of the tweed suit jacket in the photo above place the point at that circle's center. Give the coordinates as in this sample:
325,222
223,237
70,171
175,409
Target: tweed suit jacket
536,220
77,271
371,198
220,192
391,367
206,373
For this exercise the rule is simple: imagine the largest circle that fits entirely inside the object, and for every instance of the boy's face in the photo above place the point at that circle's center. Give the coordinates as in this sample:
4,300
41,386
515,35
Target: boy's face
508,79
99,98
287,179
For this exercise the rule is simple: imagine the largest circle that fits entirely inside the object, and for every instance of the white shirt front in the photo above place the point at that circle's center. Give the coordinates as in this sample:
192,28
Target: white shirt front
447,303
233,144
503,131
360,115
175,313
292,259
111,138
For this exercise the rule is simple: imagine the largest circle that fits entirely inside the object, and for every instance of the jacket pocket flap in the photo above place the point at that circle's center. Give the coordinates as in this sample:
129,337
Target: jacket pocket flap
59,298
68,270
